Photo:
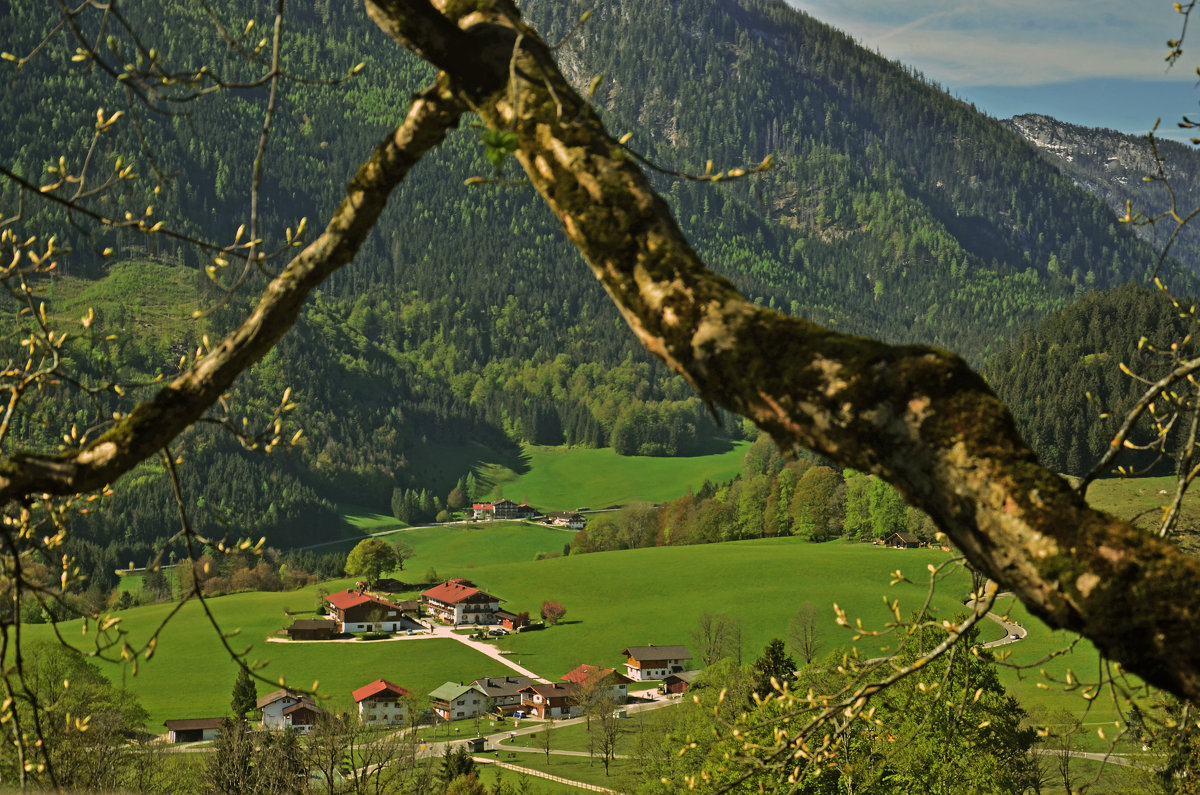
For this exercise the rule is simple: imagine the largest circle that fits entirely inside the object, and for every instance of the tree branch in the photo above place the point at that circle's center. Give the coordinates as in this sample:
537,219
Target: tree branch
916,416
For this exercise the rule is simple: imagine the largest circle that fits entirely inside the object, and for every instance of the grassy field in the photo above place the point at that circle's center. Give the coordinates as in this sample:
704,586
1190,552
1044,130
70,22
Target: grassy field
1039,673
160,298
363,521
634,598
1142,500
613,600
561,478
464,546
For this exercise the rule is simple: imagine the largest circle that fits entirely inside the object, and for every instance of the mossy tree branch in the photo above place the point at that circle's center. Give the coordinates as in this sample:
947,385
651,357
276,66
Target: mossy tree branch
918,417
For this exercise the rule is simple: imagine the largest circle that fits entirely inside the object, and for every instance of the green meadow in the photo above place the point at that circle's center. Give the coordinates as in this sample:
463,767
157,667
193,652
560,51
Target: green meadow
613,600
467,545
563,478
639,597
1143,501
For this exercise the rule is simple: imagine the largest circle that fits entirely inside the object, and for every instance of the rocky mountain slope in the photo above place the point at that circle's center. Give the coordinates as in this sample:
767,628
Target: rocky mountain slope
1115,167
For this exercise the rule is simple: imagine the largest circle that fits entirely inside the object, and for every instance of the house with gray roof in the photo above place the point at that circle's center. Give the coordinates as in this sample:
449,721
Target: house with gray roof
504,692
643,663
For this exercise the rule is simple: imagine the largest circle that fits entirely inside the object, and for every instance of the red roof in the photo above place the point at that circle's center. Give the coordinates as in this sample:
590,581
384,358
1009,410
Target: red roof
352,598
586,674
482,506
377,687
453,591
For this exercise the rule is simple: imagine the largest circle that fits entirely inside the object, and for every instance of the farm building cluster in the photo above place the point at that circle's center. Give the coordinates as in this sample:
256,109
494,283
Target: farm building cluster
455,602
502,509
383,703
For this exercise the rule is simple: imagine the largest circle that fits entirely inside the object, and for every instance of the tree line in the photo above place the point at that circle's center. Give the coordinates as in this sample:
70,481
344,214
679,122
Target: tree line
772,496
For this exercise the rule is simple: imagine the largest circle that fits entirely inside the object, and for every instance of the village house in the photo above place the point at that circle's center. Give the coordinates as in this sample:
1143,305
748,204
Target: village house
312,629
902,541
512,621
589,676
359,612
502,509
654,662
551,700
678,684
191,730
503,692
286,709
382,703
458,601
572,519
454,701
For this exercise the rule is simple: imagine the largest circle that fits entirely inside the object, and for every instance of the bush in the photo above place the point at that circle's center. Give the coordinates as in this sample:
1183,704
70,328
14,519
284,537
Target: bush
375,635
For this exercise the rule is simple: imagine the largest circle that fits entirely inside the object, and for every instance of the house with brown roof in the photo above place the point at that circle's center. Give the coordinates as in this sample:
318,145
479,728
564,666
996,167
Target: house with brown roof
590,676
312,629
458,601
503,692
192,730
902,541
382,703
287,709
677,684
654,662
551,700
512,621
355,611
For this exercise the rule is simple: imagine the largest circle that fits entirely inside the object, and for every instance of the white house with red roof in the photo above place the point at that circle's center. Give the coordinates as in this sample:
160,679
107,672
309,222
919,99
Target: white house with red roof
382,703
359,612
458,601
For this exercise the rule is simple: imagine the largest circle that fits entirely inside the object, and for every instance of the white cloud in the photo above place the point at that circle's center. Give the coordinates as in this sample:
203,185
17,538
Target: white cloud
1013,42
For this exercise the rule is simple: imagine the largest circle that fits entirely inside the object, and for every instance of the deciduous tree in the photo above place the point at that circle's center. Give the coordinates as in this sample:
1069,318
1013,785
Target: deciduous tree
370,559
804,632
553,611
717,636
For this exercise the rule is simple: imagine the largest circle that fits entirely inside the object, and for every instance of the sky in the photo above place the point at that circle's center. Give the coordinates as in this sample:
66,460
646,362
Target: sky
1099,63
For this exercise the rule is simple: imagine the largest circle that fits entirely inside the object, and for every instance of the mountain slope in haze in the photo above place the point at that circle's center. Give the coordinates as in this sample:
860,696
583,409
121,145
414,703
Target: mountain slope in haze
893,210
1115,167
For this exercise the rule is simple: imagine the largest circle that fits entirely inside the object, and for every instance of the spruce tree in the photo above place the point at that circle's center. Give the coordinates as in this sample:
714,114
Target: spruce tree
245,694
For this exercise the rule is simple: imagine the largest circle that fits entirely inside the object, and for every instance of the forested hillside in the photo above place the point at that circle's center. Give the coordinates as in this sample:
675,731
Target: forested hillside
892,209
1047,375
